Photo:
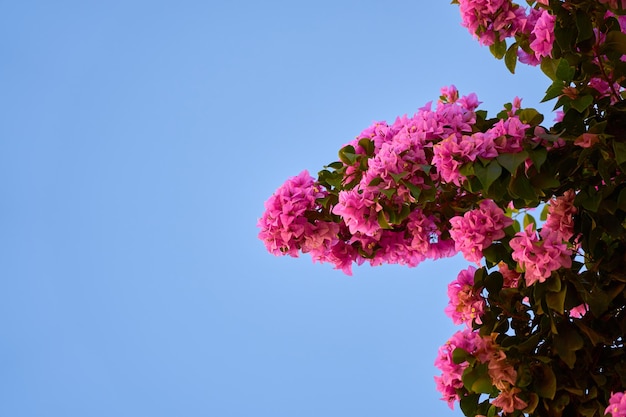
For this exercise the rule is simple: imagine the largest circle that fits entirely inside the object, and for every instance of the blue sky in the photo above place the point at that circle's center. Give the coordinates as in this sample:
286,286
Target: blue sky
138,142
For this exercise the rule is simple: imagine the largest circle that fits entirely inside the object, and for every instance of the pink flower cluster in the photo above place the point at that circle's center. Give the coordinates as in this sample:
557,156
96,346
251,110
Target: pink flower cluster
542,35
451,373
509,401
466,305
503,376
502,373
495,20
378,216
510,277
617,405
539,255
453,152
491,20
606,89
284,227
561,212
478,228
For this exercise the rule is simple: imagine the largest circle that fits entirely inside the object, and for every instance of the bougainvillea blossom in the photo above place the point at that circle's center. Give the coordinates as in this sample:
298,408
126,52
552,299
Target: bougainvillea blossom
478,228
617,405
466,305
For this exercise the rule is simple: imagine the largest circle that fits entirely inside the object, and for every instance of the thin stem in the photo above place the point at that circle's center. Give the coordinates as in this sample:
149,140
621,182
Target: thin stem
606,77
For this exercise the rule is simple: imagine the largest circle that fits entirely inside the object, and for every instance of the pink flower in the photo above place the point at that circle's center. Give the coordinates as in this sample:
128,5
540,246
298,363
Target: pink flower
542,35
539,257
451,373
378,132
586,140
511,277
359,211
466,304
424,232
491,20
508,400
478,228
579,311
529,25
502,374
508,135
561,211
448,158
284,226
449,94
558,116
617,405
339,254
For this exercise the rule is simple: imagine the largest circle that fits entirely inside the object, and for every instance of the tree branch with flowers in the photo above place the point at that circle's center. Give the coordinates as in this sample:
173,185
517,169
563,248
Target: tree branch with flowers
544,307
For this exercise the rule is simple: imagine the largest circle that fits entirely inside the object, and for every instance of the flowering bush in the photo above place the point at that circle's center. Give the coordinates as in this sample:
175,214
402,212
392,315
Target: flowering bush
544,307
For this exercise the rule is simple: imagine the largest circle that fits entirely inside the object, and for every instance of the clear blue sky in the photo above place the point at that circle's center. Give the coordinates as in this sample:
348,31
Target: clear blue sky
138,142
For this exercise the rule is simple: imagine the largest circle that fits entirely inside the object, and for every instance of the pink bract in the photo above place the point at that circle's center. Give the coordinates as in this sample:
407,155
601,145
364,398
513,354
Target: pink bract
617,405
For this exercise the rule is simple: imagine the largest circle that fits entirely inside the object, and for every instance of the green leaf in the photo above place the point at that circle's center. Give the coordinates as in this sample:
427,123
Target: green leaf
555,90
584,26
487,174
477,379
469,404
549,66
563,32
528,219
335,165
556,300
589,198
494,282
347,155
564,71
524,377
367,145
616,41
375,181
482,385
398,177
510,58
621,200
530,116
593,336
460,355
553,285
404,213
521,188
510,161
495,253
538,157
382,220
467,170
427,195
498,49
544,213
582,103
620,152
533,402
567,342
414,189
389,192
545,181
544,381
